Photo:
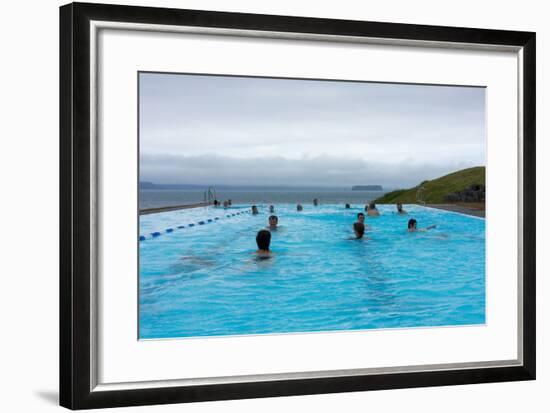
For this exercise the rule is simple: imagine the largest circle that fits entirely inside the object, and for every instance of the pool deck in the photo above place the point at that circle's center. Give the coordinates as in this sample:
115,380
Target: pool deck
474,210
146,211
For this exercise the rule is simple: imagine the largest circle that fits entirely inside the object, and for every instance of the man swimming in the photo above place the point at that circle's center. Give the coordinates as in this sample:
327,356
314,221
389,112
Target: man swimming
348,206
254,210
372,211
315,201
411,226
299,207
271,209
273,222
263,239
400,209
359,230
361,220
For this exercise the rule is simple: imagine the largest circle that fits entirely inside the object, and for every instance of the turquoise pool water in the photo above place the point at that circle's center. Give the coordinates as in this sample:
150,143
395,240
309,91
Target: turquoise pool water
205,280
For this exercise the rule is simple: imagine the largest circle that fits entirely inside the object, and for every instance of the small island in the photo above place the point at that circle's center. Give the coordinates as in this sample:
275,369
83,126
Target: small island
367,188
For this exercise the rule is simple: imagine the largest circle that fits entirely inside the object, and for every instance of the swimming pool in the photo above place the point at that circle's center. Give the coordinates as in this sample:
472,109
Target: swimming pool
205,280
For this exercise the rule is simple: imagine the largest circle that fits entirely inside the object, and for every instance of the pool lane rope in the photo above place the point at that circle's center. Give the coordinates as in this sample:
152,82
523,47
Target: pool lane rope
157,234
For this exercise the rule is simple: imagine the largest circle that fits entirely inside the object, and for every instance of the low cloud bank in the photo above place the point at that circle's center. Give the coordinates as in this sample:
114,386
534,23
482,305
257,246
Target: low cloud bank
310,171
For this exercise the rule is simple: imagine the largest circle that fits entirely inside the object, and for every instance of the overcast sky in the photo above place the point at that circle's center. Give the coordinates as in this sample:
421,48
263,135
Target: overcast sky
251,131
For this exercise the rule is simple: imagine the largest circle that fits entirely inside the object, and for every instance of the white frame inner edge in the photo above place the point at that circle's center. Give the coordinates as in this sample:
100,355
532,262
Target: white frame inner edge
96,26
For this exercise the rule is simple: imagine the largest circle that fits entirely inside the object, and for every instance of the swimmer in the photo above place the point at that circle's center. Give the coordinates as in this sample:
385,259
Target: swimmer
229,202
359,230
372,211
254,210
361,220
273,222
216,203
263,239
271,209
299,207
400,209
315,201
225,204
411,227
348,206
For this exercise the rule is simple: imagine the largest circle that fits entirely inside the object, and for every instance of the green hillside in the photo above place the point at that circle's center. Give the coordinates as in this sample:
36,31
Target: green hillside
436,189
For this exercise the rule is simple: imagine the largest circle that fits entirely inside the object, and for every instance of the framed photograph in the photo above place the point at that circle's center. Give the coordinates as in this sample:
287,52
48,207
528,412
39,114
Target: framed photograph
258,206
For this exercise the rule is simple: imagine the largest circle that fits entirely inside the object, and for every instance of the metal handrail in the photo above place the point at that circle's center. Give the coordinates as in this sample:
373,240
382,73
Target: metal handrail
210,195
420,195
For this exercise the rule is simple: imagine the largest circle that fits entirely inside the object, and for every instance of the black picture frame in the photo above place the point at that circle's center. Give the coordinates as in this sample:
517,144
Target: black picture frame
75,218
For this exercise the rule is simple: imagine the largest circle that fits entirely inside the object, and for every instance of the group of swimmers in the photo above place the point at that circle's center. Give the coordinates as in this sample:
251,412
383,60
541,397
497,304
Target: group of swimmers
226,204
263,238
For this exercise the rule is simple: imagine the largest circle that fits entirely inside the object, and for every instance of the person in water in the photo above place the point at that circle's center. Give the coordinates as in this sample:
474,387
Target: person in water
359,230
315,201
225,204
254,210
348,206
229,202
216,203
372,211
299,207
400,209
411,226
263,239
273,222
271,209
361,220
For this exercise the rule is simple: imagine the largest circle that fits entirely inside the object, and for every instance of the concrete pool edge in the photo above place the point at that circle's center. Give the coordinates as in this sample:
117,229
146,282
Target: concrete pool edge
442,207
147,211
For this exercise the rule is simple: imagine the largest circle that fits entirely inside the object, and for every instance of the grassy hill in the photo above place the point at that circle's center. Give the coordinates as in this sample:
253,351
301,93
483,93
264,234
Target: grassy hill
436,189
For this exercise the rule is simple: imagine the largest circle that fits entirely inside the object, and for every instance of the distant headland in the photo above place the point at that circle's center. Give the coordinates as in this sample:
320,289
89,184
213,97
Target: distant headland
367,188
460,191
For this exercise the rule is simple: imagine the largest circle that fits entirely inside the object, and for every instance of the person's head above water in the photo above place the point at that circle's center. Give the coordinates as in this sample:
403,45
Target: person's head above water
315,201
399,207
271,208
411,227
371,210
273,221
263,239
299,207
359,229
254,209
361,217
348,206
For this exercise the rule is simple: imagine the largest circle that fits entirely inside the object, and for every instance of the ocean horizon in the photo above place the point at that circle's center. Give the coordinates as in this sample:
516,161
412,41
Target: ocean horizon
157,198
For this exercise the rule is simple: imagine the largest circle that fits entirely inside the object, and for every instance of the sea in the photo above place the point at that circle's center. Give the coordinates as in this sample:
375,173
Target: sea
157,198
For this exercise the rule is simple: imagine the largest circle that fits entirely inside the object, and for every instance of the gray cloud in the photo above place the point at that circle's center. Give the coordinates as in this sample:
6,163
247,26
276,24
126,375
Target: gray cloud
316,171
234,130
